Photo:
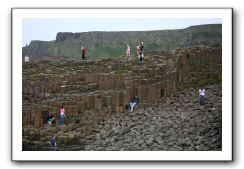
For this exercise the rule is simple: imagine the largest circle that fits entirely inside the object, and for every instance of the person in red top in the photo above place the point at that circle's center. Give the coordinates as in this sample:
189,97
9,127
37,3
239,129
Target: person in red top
83,51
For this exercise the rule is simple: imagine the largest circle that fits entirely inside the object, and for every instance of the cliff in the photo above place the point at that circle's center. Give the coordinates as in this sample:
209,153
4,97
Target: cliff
113,44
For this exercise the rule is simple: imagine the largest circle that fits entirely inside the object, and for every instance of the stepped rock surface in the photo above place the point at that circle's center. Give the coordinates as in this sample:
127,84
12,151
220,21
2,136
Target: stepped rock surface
96,95
174,124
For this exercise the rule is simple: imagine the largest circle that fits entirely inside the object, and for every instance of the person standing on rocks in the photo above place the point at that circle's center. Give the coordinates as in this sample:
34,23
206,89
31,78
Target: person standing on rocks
62,115
83,52
141,52
134,102
27,58
53,144
128,51
201,96
138,51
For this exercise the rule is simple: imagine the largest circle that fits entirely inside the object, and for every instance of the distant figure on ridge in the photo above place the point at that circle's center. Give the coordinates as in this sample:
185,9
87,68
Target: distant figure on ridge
201,96
135,101
128,51
62,115
138,51
27,58
83,52
141,52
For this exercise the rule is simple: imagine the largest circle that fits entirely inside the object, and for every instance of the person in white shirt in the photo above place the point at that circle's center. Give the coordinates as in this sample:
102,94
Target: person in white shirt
27,59
128,51
138,51
201,96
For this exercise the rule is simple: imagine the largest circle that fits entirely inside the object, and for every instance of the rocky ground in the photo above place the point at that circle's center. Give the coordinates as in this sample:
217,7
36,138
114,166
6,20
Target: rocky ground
177,123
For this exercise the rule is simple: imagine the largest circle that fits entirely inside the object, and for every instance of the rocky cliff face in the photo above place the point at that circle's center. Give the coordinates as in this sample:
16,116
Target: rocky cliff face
113,44
36,49
189,36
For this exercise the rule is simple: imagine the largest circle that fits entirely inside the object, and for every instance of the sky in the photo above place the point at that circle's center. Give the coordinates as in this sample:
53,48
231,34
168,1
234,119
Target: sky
46,29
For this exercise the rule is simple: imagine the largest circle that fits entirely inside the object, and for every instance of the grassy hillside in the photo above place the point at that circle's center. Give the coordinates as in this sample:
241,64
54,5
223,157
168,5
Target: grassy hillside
113,44
99,52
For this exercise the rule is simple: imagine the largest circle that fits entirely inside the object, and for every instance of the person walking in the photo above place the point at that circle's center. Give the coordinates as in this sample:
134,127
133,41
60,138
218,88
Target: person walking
141,52
53,144
83,52
128,51
138,51
27,59
62,115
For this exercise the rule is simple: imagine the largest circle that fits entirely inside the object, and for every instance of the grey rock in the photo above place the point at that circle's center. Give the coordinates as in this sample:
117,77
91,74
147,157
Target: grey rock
150,140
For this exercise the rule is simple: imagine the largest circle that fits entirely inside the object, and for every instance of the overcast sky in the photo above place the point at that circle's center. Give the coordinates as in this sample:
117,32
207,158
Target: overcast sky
46,29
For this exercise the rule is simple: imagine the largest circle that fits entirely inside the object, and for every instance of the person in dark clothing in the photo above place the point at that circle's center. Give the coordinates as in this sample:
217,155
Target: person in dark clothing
135,101
50,118
62,115
141,52
53,144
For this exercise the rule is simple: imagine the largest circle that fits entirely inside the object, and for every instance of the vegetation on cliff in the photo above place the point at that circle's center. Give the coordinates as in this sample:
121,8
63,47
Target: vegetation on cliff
102,45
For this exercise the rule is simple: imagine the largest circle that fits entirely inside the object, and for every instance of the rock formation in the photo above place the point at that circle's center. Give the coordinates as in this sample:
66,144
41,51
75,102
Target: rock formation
95,91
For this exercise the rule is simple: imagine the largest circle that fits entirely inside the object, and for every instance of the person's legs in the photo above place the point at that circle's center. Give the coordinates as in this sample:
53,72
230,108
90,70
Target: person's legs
61,120
52,119
132,106
201,100
141,57
53,148
203,97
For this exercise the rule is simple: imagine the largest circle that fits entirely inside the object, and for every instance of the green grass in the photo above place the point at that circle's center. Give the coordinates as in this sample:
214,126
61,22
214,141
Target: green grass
72,49
207,35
